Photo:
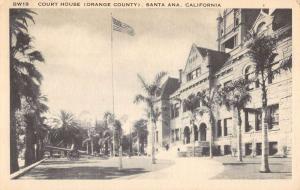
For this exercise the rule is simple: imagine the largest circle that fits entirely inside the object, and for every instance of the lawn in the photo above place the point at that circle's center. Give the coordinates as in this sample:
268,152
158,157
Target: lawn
281,168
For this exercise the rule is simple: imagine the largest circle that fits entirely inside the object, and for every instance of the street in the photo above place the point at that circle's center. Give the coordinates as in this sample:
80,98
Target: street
133,168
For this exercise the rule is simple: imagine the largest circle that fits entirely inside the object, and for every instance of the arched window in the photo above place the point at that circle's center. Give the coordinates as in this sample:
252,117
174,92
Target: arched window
250,74
261,27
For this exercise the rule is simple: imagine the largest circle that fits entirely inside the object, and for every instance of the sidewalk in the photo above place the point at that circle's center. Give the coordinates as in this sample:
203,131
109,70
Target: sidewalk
184,169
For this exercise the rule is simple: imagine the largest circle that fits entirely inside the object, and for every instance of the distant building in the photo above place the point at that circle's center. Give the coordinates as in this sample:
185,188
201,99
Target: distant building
206,68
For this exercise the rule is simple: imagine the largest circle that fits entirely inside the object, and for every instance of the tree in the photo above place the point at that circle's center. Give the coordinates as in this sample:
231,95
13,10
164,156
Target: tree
209,101
67,131
25,78
191,104
151,91
262,51
235,97
91,136
115,131
140,133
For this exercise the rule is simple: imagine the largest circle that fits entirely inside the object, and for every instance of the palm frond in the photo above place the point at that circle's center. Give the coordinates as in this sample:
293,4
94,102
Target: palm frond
145,86
158,78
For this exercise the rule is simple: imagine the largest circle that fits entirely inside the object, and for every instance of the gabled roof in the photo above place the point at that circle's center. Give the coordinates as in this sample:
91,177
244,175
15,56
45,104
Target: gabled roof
169,87
217,58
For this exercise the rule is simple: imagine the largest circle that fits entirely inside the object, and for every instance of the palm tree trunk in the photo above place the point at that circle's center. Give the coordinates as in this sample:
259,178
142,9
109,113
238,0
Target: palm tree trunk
106,148
142,147
152,139
264,167
92,146
211,143
29,141
41,149
239,135
138,145
87,147
14,165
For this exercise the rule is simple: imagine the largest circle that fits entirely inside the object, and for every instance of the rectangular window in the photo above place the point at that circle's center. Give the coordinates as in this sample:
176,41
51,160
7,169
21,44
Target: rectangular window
258,148
227,149
176,110
172,135
177,134
229,24
248,149
230,44
258,120
249,120
189,77
219,128
227,126
156,136
274,115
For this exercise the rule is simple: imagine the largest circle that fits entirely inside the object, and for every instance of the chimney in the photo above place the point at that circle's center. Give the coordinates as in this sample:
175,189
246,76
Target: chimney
180,75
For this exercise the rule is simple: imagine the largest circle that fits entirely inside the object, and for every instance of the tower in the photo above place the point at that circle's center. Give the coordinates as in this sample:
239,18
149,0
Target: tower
233,25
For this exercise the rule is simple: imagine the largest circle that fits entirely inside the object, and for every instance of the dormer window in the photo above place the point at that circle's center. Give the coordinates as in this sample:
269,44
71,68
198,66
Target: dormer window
194,74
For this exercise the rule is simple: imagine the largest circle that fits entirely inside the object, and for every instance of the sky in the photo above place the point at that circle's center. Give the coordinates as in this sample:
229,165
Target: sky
76,45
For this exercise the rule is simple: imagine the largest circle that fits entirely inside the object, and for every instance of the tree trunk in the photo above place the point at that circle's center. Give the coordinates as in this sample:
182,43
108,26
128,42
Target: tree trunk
37,150
138,145
106,148
211,143
92,146
42,149
14,165
87,147
153,140
239,135
29,141
142,147
264,167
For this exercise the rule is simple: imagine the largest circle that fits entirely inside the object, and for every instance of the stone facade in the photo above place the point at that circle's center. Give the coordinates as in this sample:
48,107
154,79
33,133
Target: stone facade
206,68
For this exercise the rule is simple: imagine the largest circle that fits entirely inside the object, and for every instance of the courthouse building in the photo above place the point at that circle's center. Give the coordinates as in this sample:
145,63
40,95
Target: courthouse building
206,68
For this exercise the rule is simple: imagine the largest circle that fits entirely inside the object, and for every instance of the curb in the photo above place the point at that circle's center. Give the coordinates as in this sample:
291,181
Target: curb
22,171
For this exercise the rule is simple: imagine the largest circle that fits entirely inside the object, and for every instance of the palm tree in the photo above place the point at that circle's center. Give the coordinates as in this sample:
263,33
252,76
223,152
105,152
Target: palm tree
25,78
67,130
36,129
115,131
191,104
109,120
262,51
151,91
140,133
209,101
235,96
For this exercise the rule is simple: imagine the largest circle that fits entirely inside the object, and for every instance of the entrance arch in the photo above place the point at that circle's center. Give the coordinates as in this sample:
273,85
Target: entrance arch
186,133
202,130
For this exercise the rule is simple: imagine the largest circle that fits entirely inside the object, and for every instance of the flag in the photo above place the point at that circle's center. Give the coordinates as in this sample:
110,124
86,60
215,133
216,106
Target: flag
122,27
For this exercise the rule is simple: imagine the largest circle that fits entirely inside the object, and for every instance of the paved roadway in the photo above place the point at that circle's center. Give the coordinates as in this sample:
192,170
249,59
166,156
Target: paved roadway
133,168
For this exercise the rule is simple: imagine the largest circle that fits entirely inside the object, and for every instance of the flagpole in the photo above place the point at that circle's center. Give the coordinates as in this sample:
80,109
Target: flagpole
112,81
